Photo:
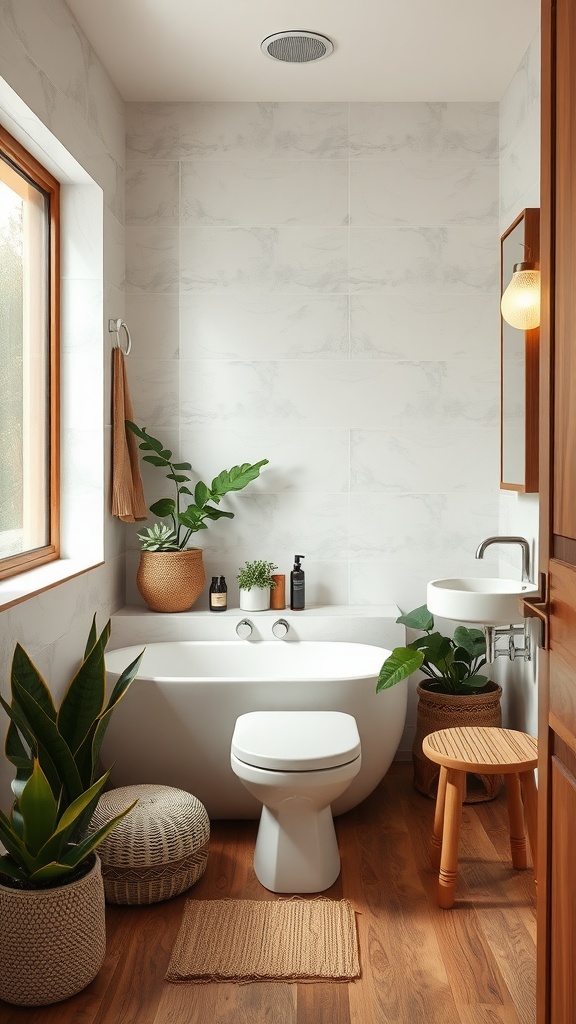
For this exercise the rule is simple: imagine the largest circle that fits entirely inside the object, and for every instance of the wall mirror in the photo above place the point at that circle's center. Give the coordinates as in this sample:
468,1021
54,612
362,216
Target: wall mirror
519,367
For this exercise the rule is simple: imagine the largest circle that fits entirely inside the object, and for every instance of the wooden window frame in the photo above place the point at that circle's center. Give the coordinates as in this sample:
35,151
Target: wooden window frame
28,165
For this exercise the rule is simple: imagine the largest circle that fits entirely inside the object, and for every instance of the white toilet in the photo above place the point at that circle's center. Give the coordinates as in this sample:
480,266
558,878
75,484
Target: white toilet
296,763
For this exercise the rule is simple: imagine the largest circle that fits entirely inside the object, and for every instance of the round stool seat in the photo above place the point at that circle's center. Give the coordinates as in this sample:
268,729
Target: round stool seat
491,751
158,850
482,749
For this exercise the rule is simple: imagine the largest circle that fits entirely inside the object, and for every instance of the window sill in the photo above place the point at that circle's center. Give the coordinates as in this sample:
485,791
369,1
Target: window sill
45,577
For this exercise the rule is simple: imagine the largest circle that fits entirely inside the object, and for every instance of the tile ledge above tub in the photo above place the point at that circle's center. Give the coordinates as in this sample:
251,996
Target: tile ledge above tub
370,624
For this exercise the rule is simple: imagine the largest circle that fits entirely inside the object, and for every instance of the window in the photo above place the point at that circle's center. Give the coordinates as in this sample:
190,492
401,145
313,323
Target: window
29,341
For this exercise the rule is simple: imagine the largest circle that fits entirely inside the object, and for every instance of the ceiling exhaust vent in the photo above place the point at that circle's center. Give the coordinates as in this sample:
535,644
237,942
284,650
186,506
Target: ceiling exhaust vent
297,47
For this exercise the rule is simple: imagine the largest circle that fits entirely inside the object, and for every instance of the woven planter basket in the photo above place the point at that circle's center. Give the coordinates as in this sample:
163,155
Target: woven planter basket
158,850
171,581
52,941
444,711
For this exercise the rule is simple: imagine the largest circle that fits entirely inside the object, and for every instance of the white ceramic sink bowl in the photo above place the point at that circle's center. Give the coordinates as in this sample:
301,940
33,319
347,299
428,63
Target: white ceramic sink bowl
487,602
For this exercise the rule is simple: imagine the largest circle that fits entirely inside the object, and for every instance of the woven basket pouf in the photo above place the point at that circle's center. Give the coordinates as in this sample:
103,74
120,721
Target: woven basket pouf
158,850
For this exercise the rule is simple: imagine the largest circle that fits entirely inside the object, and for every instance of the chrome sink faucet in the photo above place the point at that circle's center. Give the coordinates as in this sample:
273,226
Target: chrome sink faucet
510,540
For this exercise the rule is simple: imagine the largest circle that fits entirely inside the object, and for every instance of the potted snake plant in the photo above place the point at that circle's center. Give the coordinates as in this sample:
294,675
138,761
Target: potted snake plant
454,692
171,575
52,932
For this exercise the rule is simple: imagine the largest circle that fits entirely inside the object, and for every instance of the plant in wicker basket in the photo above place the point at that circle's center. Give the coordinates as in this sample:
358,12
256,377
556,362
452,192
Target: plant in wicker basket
454,692
50,864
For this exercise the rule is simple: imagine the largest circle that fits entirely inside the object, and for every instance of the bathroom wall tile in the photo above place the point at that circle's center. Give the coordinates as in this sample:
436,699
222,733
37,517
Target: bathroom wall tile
514,103
152,130
441,460
283,259
276,130
265,192
534,69
53,40
106,110
520,165
393,527
154,324
84,235
274,526
382,580
454,259
335,394
114,250
424,325
24,75
216,326
154,384
152,259
299,459
425,193
439,130
152,192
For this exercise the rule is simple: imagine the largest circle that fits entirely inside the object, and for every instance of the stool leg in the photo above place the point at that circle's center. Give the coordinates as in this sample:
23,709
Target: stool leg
516,819
436,841
530,797
455,783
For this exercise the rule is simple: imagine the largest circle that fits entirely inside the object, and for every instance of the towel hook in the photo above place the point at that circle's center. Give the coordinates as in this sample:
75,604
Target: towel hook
114,327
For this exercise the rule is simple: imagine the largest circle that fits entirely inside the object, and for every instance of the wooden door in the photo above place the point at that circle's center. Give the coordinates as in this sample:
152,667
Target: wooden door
557,715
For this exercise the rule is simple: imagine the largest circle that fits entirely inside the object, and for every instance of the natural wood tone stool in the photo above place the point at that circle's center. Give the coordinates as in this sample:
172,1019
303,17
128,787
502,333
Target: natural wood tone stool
491,751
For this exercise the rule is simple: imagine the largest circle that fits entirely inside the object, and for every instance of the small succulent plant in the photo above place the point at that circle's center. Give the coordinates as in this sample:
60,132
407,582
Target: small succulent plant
158,537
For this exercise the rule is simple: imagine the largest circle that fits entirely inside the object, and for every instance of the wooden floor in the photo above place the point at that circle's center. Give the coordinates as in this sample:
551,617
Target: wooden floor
474,964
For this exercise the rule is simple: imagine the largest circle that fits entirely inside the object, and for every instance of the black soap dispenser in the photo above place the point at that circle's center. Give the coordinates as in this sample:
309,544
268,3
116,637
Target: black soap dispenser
297,586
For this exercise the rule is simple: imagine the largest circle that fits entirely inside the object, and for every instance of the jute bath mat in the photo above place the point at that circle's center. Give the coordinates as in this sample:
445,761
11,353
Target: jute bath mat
248,940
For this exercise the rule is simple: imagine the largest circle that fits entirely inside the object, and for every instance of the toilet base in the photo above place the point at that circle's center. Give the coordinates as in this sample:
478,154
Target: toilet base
296,848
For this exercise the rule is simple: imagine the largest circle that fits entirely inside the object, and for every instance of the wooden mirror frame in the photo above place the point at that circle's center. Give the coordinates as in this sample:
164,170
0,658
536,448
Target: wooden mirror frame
530,237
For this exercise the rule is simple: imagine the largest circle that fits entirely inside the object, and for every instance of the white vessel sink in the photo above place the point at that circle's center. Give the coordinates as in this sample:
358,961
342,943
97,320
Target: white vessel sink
488,602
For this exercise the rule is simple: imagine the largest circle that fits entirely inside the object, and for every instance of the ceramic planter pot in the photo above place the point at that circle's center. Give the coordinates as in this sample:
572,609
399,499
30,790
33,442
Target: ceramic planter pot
257,599
171,581
444,711
52,941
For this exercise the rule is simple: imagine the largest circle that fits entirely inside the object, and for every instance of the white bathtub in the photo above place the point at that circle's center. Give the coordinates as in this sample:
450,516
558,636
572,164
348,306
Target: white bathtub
175,724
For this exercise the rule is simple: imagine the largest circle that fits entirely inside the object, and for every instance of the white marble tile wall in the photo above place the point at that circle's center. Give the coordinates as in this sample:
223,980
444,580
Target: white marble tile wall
56,97
519,146
318,284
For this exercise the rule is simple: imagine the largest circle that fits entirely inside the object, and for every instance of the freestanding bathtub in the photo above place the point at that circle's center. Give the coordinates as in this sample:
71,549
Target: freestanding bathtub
175,724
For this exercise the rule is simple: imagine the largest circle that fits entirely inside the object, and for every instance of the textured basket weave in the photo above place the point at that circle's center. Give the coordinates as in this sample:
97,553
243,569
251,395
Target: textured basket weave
158,850
52,941
444,711
171,581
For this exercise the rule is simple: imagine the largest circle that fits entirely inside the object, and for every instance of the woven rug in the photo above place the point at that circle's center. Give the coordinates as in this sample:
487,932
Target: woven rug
249,940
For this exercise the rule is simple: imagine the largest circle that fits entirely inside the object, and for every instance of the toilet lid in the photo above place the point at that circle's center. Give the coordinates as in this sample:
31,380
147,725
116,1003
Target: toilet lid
296,740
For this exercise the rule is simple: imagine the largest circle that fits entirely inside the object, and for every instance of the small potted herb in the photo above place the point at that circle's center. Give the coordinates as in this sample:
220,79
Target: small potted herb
255,582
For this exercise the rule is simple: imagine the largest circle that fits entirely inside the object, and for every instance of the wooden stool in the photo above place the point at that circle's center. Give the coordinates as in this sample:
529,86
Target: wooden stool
491,751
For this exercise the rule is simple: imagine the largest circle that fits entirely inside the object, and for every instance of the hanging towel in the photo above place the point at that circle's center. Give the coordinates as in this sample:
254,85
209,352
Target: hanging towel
127,491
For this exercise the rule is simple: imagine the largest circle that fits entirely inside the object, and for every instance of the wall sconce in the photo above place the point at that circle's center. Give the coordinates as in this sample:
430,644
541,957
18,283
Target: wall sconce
520,303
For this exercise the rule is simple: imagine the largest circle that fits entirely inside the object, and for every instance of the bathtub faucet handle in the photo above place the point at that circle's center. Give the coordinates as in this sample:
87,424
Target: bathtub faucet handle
280,628
244,629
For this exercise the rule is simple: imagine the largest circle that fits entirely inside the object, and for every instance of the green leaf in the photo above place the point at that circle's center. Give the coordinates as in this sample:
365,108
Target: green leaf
475,683
472,640
53,870
38,809
177,477
217,513
92,636
13,843
90,751
201,494
419,618
24,765
399,665
155,460
164,507
9,868
149,441
48,736
79,852
84,699
25,671
237,478
54,847
181,465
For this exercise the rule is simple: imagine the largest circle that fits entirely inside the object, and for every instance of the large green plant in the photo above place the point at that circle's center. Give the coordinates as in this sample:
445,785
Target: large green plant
452,664
187,516
56,755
